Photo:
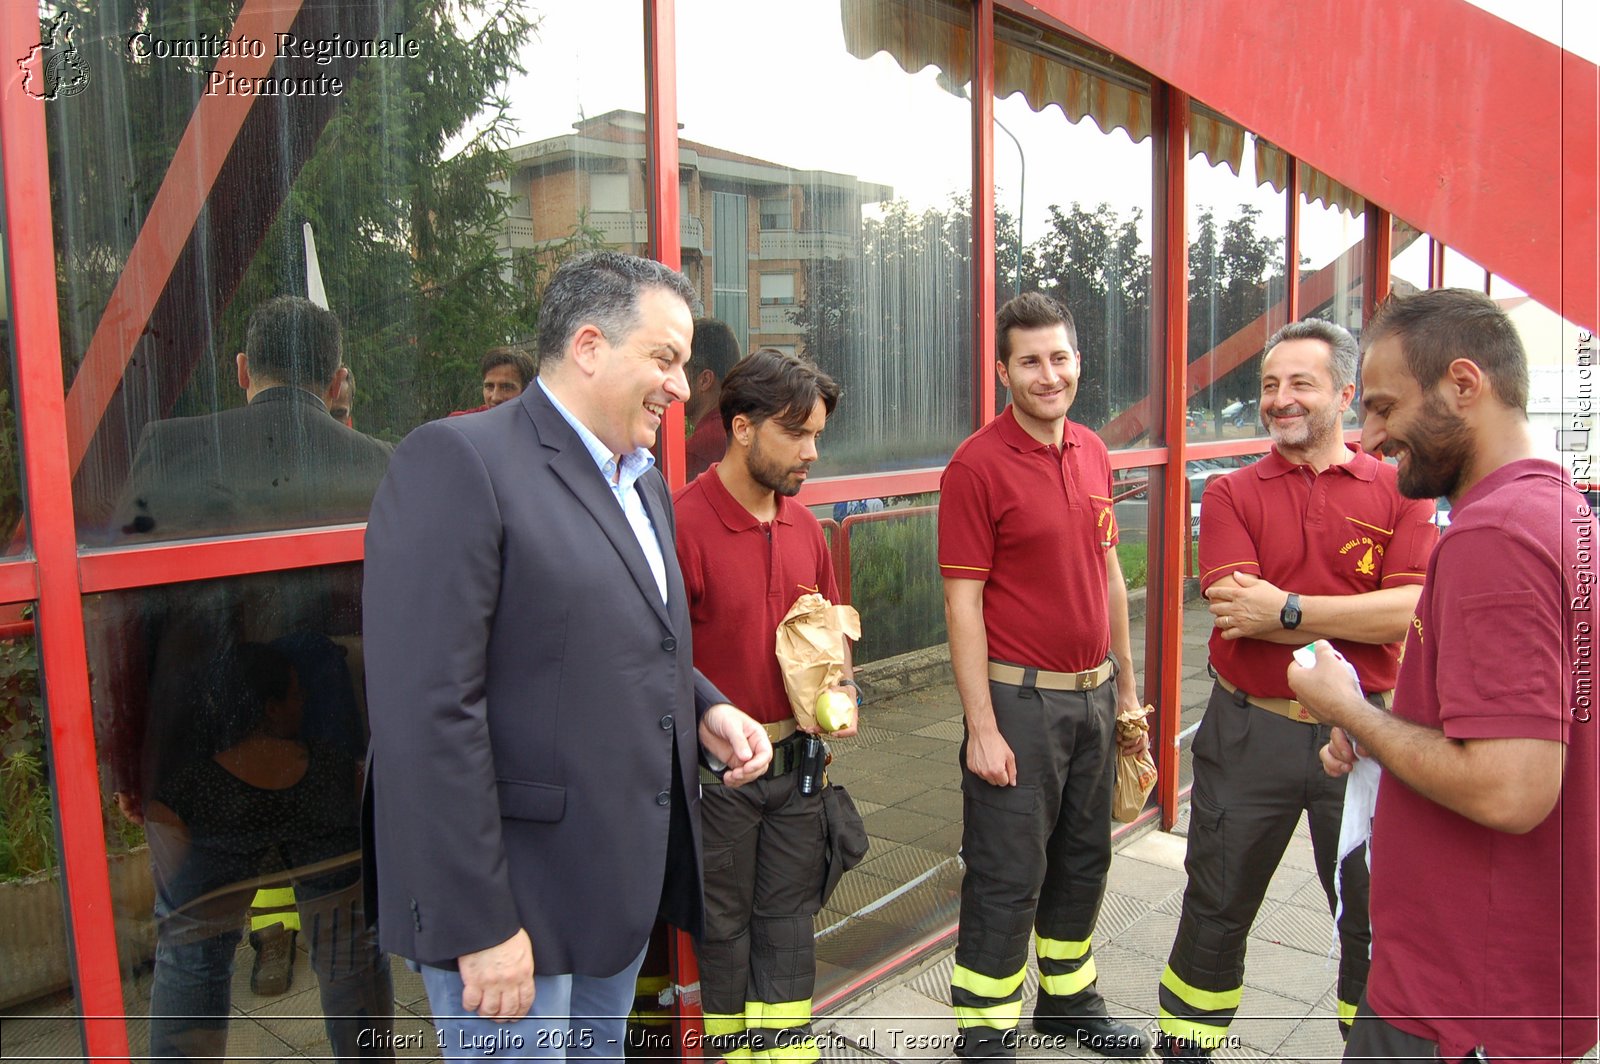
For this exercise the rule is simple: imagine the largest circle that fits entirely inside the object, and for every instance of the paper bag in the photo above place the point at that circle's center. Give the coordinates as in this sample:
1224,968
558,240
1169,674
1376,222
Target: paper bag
811,651
1136,776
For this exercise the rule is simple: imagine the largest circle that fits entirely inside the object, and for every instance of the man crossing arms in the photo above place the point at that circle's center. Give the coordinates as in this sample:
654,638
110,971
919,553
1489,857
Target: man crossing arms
1312,541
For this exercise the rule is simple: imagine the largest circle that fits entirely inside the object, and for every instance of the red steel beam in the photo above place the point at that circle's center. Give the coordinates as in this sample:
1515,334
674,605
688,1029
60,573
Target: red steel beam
173,563
47,480
983,239
1508,177
19,581
661,186
1172,156
1379,248
1291,240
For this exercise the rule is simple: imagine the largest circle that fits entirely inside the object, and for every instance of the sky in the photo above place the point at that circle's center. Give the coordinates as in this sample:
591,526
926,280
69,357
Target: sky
785,89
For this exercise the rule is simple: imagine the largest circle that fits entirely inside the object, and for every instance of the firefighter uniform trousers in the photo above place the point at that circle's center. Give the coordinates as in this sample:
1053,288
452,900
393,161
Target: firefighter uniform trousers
1254,772
765,860
1036,857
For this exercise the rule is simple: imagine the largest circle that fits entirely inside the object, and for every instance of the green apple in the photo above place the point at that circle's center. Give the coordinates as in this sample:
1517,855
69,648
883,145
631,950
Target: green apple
834,709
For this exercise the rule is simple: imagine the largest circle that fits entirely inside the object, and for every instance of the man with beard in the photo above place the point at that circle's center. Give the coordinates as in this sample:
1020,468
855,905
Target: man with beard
748,551
1038,617
1484,842
1313,541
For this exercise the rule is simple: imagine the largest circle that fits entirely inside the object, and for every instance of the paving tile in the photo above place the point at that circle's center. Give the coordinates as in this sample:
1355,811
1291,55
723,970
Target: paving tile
1152,935
1157,848
1127,979
902,864
882,790
945,840
897,1024
1117,913
1265,1019
1288,971
901,824
1316,1038
947,731
943,803
1306,929
1140,879
926,747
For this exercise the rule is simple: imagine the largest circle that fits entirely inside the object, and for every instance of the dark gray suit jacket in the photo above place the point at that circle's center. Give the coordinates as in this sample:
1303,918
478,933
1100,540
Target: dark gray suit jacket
533,704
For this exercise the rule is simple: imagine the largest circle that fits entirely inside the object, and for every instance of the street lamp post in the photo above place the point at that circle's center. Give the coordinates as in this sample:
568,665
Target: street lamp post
958,90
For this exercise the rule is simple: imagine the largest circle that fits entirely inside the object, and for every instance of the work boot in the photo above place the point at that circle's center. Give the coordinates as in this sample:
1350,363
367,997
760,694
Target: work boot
274,967
1181,1051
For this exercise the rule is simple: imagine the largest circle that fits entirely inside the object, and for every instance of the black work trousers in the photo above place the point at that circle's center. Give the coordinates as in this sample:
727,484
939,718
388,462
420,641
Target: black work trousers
765,858
1254,773
1036,857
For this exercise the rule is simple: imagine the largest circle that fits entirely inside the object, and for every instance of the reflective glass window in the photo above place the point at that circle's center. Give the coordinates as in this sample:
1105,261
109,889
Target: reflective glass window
38,1008
1074,195
837,160
1332,246
416,170
232,725
1237,274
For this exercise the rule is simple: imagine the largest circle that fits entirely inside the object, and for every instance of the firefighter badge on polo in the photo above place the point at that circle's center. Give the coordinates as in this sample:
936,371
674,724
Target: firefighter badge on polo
1363,551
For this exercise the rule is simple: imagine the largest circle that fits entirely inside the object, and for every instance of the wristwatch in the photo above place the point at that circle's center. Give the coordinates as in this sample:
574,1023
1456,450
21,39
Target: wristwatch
1290,617
854,687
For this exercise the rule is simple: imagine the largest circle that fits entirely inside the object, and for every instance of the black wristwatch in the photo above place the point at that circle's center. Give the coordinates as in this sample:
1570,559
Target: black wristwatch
1290,616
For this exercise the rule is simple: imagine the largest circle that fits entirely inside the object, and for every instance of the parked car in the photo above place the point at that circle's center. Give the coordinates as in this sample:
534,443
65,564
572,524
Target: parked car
1197,488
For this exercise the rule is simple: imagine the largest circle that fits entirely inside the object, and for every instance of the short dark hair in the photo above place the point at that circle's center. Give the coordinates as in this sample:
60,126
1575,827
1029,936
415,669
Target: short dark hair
1440,325
1031,310
1342,352
291,340
514,355
601,288
775,384
714,348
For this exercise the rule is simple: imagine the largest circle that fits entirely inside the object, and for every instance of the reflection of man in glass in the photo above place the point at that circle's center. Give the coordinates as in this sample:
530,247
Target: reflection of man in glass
715,350
1038,618
342,405
506,371
280,460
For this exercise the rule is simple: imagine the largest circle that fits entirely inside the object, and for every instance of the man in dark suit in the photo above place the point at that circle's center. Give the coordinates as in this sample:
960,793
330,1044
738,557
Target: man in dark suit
533,773
278,461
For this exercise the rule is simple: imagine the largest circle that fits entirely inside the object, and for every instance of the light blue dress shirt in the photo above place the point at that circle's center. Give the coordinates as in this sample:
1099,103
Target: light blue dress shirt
634,465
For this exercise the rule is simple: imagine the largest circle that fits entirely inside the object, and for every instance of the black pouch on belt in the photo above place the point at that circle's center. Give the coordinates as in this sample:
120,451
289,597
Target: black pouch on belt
847,836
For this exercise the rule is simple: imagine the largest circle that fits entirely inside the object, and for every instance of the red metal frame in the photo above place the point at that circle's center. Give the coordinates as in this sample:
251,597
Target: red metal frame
983,238
1291,238
1378,246
1172,156
19,581
1435,263
47,476
175,563
661,184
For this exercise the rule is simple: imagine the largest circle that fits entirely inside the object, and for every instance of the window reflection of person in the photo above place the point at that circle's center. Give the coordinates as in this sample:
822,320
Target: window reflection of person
278,461
260,799
506,371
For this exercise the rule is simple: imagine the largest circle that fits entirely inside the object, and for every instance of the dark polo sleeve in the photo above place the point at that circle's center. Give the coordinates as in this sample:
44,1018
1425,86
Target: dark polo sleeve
430,592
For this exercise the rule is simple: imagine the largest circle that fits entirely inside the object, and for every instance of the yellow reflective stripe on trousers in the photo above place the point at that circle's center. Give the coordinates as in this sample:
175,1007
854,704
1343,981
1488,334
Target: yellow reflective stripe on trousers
1070,983
1001,1017
721,1023
1055,949
779,1015
274,905
986,985
1347,1013
1206,1035
1204,1000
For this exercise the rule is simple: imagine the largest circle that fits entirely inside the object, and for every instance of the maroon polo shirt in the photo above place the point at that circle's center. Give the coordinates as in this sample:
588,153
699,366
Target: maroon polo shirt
1034,522
742,575
1480,937
1344,531
705,446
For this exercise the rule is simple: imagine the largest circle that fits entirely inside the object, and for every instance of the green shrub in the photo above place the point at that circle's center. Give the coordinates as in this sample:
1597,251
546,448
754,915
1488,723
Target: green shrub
895,585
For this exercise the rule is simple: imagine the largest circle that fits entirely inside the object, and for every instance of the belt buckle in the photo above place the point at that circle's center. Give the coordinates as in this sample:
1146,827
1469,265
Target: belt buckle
1086,680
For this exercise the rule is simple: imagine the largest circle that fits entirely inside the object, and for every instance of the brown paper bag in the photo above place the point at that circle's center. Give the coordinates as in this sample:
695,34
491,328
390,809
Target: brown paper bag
1136,776
811,651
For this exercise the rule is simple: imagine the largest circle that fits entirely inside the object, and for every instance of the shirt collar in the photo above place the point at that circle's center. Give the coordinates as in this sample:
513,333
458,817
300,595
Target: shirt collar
1499,478
288,393
634,465
1361,465
731,512
1016,437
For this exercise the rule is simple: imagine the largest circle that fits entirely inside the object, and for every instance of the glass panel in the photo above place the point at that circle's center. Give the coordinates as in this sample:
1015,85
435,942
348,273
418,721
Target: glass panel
1237,290
1082,227
1562,393
186,197
851,175
12,505
1332,243
1408,266
231,721
38,1007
